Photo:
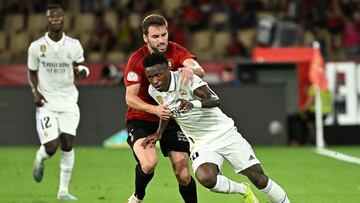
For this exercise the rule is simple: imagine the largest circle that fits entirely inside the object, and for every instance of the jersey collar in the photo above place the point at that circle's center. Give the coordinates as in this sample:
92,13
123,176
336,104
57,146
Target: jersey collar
172,86
51,42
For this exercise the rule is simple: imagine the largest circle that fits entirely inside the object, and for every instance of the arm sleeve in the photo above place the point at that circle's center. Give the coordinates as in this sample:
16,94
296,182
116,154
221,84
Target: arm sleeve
33,60
79,57
132,73
197,82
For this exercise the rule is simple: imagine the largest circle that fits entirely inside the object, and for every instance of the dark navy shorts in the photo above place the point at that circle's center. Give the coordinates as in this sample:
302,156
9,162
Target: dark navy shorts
173,138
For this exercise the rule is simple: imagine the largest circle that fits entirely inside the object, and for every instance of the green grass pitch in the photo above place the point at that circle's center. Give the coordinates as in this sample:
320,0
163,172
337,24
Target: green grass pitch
106,176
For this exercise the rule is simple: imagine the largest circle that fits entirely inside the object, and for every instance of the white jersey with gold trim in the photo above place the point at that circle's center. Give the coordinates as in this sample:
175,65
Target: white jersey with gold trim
201,126
54,63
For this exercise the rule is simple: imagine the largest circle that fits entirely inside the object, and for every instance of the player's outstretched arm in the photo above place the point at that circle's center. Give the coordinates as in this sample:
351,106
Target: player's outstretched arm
190,68
208,99
195,66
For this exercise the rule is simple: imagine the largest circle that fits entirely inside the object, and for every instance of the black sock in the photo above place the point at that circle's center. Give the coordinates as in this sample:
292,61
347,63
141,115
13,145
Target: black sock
188,192
141,181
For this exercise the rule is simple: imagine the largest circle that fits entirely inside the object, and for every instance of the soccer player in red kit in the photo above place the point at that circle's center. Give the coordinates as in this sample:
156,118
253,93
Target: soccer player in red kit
143,112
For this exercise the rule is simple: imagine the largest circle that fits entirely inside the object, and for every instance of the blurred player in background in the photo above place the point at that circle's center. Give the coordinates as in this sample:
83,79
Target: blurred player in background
143,113
212,135
53,60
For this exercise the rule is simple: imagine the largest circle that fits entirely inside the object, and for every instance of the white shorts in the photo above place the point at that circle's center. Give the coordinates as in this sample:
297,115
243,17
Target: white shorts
237,152
50,124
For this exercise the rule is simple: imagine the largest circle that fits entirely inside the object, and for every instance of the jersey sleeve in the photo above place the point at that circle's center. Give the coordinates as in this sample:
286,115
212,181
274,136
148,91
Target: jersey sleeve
33,60
197,82
132,73
79,57
183,54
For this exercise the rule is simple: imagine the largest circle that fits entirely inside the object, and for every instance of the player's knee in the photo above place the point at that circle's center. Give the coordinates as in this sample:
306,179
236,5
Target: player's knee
257,176
206,180
260,180
148,167
183,177
51,150
67,147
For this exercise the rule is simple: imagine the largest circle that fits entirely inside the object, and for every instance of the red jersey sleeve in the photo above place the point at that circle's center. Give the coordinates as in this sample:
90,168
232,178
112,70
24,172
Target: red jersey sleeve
133,71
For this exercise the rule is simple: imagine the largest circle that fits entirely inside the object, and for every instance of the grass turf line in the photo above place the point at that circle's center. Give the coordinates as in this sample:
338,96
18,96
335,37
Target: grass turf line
103,175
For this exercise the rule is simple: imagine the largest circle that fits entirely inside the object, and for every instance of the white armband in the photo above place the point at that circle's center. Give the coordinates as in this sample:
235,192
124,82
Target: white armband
196,103
86,69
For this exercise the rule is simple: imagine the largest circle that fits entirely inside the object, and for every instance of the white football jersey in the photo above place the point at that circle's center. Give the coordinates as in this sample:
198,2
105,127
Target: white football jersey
54,63
201,126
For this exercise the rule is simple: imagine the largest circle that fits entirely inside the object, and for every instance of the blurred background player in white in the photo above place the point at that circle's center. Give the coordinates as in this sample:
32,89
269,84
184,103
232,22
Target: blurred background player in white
53,60
212,135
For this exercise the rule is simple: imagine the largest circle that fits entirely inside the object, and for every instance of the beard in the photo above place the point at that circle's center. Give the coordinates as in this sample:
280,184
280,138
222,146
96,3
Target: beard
156,48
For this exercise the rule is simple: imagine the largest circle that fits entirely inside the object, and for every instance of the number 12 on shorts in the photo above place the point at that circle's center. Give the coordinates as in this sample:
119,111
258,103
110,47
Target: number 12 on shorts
45,122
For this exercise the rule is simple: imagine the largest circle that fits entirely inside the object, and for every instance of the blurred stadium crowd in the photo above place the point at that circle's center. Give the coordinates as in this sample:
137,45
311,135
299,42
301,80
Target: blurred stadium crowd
212,29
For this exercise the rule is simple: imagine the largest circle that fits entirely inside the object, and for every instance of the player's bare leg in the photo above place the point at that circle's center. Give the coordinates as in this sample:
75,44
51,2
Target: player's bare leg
208,174
187,186
66,166
45,152
144,170
270,188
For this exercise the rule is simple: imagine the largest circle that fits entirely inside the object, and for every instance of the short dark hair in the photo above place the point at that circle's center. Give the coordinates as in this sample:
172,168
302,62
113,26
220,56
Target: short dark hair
153,20
154,59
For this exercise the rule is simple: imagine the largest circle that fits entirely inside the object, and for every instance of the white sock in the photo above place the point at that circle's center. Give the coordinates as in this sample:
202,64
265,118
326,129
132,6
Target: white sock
275,193
66,166
225,185
41,154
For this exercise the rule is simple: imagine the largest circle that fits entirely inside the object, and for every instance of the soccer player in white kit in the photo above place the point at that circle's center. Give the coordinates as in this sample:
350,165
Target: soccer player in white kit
53,62
212,135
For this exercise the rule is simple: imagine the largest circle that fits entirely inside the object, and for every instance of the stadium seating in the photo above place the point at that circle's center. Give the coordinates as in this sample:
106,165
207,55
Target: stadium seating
171,7
218,15
37,25
116,56
247,37
200,43
84,23
220,42
3,41
111,19
19,44
14,23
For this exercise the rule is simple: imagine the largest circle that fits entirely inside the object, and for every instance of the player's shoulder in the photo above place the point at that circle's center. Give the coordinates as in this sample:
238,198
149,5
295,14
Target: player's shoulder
38,41
174,44
176,47
176,74
142,52
71,40
38,44
138,56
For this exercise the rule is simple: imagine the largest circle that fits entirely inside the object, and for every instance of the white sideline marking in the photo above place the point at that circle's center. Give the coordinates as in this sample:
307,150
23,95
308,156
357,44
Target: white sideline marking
338,155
